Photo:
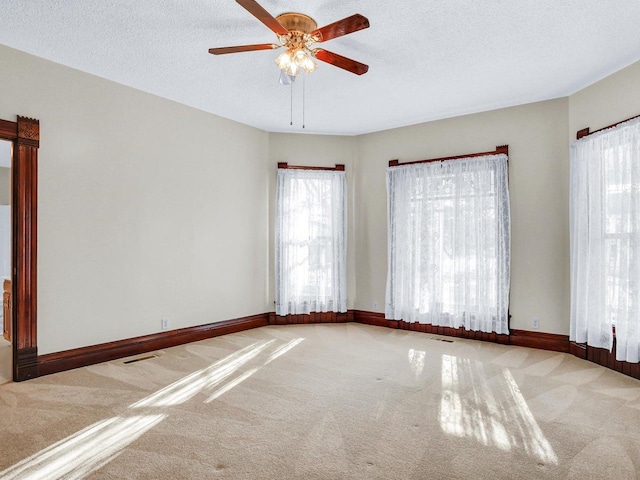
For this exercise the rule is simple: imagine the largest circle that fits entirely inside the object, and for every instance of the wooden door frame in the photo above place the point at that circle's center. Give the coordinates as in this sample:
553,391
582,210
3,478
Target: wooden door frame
25,137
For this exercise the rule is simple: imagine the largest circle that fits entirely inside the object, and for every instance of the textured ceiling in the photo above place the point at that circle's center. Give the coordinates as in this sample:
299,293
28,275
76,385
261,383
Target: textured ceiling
428,59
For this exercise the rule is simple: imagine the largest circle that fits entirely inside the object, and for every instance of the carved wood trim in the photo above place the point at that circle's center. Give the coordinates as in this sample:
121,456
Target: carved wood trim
25,234
25,136
8,130
585,131
28,131
286,166
499,149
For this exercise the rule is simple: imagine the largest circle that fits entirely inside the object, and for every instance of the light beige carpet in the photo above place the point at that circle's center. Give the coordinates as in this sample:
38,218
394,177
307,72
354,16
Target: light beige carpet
339,401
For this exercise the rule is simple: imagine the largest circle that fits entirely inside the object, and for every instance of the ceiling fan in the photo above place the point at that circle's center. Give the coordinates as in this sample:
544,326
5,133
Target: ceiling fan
298,33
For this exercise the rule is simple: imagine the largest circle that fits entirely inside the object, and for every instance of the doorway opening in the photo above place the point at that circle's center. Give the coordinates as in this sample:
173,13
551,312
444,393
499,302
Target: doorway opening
6,357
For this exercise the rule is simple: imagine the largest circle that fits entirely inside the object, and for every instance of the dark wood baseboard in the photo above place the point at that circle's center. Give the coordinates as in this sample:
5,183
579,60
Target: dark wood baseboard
454,332
373,318
313,317
376,318
32,365
540,340
25,364
522,338
578,350
605,358
104,352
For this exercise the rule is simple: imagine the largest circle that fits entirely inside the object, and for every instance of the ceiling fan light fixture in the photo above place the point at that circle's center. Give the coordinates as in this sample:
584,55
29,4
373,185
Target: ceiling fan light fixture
298,33
302,58
309,65
287,64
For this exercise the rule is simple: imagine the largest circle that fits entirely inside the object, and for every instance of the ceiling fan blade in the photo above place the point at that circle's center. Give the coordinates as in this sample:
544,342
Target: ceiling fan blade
341,27
340,61
243,48
265,17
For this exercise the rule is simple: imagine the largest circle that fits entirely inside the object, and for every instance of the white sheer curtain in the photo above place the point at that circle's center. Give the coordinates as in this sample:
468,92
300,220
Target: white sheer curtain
449,243
605,240
310,241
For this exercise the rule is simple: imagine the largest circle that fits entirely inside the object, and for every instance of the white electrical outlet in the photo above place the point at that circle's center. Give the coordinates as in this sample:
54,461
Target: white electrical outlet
535,322
375,305
164,323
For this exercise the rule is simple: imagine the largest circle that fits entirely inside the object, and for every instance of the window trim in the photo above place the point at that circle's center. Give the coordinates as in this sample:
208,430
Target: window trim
284,165
499,149
585,131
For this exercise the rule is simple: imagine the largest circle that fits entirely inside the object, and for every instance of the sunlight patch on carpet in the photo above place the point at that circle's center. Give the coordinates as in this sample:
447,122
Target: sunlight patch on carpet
416,360
83,452
88,450
189,386
237,381
283,349
490,410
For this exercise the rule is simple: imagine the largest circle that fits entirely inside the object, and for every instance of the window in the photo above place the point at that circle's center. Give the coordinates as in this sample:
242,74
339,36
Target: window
605,240
310,241
449,243
619,226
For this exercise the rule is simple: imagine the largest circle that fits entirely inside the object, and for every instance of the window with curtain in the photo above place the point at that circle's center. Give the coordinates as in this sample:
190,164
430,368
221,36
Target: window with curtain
605,240
310,241
449,243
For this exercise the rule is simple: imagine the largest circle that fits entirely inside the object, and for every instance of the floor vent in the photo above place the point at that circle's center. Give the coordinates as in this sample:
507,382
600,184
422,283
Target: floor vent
133,360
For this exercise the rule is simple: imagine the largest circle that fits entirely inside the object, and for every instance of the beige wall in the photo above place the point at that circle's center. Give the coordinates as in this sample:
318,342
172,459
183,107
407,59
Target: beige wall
606,102
150,209
538,181
321,151
147,208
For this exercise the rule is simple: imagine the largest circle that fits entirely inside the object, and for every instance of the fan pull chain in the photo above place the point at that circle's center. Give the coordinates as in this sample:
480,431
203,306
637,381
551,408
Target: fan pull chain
303,97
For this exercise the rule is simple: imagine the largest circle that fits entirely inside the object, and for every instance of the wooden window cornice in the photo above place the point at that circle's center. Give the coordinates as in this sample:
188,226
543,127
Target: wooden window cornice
585,131
499,149
285,165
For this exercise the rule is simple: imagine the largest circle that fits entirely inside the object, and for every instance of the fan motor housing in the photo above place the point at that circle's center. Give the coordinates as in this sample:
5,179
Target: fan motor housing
297,22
